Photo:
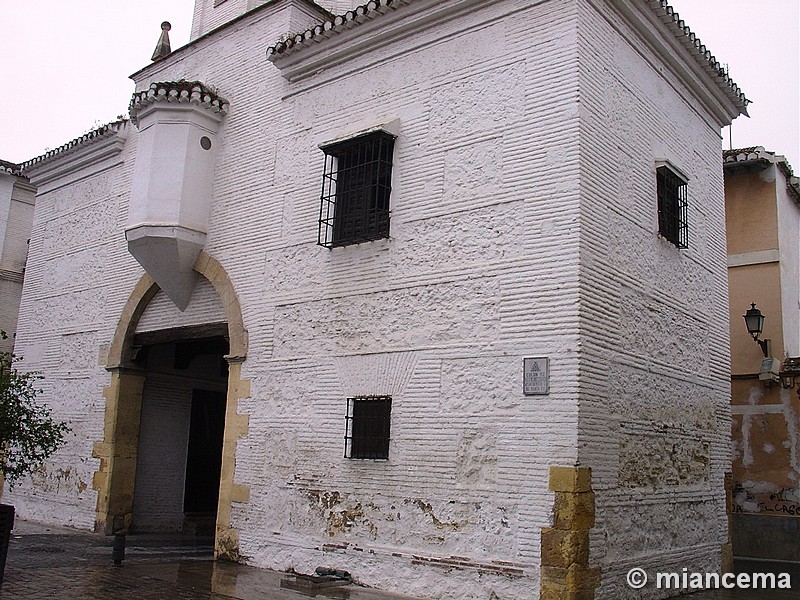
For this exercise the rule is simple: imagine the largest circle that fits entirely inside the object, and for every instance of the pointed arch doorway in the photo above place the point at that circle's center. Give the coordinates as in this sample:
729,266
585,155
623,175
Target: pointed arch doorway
118,451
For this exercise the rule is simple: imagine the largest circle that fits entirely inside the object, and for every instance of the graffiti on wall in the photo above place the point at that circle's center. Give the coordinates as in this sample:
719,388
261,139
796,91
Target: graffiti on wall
784,501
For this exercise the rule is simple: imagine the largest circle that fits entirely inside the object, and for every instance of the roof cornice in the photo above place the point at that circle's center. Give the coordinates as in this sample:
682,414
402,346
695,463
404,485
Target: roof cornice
674,44
314,48
188,93
91,148
702,55
10,168
361,30
756,158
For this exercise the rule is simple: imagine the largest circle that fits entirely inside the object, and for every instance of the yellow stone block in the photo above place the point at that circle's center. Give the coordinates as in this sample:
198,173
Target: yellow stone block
570,479
726,558
240,493
552,590
582,579
563,547
574,511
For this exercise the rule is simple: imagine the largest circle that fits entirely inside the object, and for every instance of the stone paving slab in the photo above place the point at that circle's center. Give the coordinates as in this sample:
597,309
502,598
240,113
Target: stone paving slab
47,562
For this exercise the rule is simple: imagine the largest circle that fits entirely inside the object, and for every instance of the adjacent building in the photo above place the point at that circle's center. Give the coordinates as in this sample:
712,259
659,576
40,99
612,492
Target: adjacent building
433,292
17,197
762,204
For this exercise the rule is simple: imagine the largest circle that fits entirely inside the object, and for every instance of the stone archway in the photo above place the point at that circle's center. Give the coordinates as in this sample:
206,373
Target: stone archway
115,478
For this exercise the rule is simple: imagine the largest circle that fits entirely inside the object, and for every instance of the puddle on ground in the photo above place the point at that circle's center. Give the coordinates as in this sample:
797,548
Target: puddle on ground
314,587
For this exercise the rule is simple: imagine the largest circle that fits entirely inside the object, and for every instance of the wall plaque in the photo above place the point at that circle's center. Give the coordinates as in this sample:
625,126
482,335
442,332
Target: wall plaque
536,376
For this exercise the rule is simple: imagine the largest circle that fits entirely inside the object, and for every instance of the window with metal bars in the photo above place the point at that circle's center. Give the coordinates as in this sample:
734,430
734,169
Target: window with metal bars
367,433
673,207
356,187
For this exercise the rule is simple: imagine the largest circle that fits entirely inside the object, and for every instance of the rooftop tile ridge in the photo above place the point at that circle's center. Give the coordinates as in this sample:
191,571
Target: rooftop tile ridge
101,132
181,92
339,23
702,54
10,168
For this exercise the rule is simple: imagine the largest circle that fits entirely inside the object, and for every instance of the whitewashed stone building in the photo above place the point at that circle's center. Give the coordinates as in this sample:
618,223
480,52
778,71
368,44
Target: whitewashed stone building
376,218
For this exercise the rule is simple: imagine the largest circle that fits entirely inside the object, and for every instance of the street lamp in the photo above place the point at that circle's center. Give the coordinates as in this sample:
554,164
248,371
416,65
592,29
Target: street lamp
790,371
754,321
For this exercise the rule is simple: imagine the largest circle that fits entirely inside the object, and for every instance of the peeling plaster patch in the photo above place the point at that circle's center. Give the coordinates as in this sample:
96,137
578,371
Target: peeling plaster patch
428,510
756,394
477,458
769,448
480,530
69,481
341,515
659,462
747,450
662,525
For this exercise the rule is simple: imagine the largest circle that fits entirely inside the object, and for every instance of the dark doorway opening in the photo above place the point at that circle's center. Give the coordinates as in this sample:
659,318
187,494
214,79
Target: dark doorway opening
181,432
204,453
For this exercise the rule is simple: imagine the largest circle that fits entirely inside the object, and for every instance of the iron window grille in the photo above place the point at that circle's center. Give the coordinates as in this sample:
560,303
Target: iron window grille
673,207
367,434
356,186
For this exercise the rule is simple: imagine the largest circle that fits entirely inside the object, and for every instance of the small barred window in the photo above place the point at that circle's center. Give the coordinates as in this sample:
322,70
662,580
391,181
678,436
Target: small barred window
356,187
673,207
367,433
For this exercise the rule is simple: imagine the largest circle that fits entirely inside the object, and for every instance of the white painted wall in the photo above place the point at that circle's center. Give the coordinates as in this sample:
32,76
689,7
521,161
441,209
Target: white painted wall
78,276
789,248
204,307
210,14
654,416
523,215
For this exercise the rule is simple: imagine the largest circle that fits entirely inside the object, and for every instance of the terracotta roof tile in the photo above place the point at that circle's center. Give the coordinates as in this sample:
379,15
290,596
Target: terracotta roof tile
739,159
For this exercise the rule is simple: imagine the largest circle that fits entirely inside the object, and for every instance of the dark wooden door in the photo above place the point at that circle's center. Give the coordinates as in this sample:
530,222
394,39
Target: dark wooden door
204,453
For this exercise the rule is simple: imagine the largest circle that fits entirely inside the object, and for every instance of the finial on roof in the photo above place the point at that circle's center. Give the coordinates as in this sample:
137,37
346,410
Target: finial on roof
163,48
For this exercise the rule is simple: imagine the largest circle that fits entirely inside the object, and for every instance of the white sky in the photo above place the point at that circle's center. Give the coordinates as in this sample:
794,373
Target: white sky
64,65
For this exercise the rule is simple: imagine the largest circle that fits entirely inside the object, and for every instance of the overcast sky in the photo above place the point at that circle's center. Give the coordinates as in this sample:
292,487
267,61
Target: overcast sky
65,65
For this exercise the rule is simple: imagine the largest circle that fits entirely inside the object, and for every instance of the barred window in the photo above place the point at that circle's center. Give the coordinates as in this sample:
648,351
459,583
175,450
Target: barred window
367,433
356,186
672,206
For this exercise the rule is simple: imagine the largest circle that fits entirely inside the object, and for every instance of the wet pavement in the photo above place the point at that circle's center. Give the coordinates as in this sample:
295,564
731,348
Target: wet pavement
47,562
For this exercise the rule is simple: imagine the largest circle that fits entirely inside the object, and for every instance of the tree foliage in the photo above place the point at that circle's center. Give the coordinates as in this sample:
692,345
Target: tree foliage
28,432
